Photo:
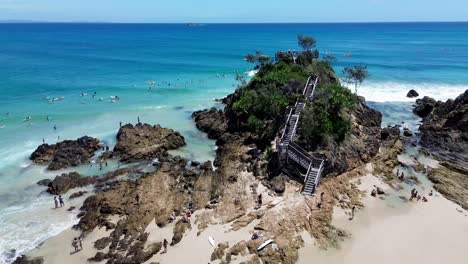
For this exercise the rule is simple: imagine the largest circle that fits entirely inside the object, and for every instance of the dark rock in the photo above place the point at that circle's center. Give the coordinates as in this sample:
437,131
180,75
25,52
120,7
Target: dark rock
44,182
66,153
379,191
219,251
23,259
77,194
210,121
445,130
61,184
100,256
424,106
407,132
145,142
102,243
71,208
278,184
194,163
179,231
412,93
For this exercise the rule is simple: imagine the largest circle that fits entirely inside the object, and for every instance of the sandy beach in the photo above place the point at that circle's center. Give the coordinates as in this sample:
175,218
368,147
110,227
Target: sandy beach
389,229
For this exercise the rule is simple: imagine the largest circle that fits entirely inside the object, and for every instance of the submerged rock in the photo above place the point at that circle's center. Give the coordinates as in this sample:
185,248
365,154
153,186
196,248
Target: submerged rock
145,142
66,154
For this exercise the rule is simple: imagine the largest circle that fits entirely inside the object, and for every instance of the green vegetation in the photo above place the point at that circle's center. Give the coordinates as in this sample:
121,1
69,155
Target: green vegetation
327,119
355,75
260,106
306,42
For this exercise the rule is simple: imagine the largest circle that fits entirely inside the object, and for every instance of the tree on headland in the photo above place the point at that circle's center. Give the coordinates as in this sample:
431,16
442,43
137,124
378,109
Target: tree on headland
330,58
355,75
259,59
306,42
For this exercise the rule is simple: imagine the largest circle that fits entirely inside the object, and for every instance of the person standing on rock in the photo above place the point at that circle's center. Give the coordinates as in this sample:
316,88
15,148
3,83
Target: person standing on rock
352,213
61,201
165,243
56,202
137,198
138,118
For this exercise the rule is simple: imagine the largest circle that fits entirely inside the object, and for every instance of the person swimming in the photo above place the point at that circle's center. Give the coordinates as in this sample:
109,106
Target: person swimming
28,118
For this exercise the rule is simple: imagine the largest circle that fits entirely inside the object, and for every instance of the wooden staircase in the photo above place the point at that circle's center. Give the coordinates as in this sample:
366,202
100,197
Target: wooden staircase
288,150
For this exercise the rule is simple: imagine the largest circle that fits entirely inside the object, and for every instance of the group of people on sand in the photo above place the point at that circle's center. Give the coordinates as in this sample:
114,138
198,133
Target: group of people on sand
77,244
58,201
401,176
185,216
415,195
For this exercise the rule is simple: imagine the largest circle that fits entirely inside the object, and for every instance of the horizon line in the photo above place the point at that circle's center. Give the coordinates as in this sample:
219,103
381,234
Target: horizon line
20,21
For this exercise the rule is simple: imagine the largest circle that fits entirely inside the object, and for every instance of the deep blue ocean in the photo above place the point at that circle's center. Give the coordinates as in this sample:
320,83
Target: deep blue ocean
163,72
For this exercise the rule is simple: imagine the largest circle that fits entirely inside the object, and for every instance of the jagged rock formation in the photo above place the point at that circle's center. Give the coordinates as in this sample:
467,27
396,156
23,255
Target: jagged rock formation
152,197
210,121
445,129
66,153
145,142
360,146
25,260
62,183
451,180
424,106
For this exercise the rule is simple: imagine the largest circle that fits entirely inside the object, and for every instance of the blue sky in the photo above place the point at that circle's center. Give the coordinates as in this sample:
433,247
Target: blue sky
235,10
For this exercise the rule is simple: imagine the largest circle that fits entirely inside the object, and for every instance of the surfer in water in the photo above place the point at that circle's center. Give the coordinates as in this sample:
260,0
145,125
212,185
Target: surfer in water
28,118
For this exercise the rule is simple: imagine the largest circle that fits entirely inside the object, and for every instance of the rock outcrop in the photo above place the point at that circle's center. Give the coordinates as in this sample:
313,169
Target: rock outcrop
451,180
360,146
25,260
144,142
175,187
445,129
424,106
210,121
66,154
412,94
62,183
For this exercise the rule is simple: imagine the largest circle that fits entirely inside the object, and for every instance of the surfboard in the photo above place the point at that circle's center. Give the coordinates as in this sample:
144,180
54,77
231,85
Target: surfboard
211,240
266,243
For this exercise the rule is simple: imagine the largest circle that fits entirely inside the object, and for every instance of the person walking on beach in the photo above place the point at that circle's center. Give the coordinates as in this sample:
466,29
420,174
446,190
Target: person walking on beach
352,213
165,243
80,240
75,244
56,202
61,201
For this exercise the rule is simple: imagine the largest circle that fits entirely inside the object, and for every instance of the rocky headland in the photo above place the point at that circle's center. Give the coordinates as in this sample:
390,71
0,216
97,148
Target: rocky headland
184,197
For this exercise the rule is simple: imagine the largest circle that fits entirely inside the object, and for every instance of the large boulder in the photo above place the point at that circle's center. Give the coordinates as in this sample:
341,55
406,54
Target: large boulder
66,153
412,94
144,142
424,106
445,130
25,260
210,121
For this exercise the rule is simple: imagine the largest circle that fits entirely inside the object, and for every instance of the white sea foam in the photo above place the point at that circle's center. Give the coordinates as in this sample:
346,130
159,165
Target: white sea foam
396,92
251,73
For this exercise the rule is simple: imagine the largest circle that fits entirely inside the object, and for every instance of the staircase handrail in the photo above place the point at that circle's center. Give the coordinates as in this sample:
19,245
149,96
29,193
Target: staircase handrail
306,155
287,122
313,89
294,128
307,173
306,85
319,174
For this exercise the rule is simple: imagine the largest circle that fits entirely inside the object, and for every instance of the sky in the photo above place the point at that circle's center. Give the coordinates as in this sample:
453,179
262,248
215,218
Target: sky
234,11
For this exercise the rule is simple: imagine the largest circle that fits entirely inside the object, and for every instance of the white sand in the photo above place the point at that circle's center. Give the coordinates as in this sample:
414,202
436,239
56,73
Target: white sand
387,232
197,249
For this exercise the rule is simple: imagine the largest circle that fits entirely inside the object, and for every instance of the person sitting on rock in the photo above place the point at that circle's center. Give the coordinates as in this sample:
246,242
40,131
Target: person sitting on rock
424,199
172,217
402,177
431,193
373,193
259,200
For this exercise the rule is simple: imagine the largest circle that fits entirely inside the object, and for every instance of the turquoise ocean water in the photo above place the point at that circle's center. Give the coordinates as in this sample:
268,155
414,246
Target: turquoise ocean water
191,66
